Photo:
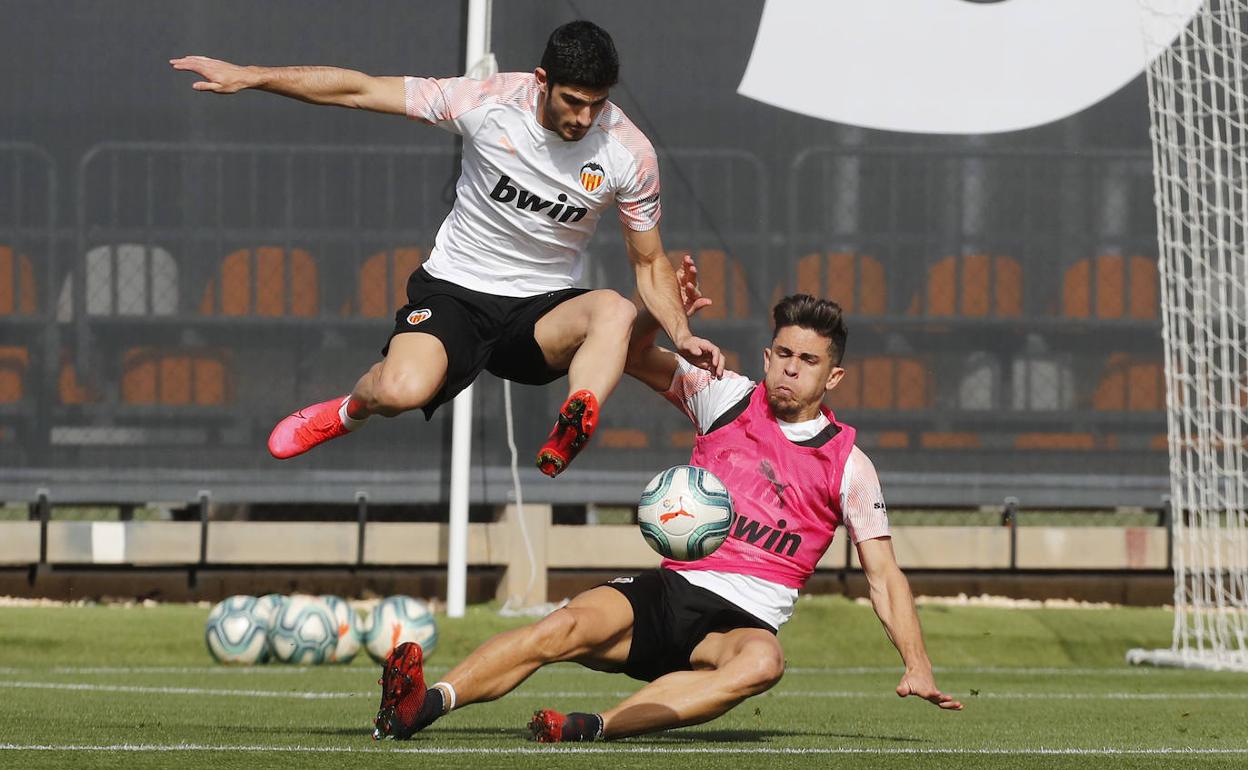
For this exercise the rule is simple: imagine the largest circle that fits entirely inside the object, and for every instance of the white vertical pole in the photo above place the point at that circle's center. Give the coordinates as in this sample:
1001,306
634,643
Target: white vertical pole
478,45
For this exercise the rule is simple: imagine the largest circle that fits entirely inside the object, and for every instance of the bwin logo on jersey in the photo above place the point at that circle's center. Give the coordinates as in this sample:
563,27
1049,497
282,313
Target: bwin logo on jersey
506,192
776,539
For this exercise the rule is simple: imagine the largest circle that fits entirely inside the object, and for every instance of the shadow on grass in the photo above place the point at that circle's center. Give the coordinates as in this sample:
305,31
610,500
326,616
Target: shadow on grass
678,737
763,736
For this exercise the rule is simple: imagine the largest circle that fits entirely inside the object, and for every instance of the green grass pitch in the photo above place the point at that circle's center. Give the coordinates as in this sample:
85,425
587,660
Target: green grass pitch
108,686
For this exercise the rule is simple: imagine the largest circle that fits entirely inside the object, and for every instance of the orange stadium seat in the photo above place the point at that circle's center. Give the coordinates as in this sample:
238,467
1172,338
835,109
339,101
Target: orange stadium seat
883,382
382,282
854,281
71,391
973,286
267,281
17,287
1058,441
1131,384
1116,287
13,362
623,438
174,378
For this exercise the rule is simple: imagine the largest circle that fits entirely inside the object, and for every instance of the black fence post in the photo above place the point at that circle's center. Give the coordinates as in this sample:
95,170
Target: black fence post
42,509
361,510
1009,518
205,501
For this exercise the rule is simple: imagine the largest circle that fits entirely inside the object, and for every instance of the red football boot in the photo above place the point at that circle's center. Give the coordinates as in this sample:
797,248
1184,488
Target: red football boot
402,693
576,423
546,726
306,428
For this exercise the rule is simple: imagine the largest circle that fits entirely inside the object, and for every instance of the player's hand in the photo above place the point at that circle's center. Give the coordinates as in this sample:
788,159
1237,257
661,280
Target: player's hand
702,354
923,685
687,279
220,77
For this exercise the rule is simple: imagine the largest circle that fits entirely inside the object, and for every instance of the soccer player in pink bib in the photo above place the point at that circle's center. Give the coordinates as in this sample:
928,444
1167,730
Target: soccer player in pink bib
703,633
545,155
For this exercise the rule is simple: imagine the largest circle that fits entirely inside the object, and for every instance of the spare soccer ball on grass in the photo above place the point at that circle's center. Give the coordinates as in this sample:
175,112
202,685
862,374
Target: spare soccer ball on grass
303,631
398,619
267,607
347,628
237,631
685,513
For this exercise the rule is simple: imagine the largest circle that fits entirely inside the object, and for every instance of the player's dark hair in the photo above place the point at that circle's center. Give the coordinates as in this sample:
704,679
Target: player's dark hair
821,316
580,53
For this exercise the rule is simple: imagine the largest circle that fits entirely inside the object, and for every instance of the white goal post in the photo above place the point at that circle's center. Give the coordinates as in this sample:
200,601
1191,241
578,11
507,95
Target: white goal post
1198,101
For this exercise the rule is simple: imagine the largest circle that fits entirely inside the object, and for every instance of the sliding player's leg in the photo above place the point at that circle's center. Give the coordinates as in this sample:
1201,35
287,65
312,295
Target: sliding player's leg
594,629
728,668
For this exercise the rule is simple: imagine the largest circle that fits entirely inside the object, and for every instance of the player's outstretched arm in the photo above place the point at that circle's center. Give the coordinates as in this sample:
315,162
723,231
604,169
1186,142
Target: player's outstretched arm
894,605
316,85
656,283
648,362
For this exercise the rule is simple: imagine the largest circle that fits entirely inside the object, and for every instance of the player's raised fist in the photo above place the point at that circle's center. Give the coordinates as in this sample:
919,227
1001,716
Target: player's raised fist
218,76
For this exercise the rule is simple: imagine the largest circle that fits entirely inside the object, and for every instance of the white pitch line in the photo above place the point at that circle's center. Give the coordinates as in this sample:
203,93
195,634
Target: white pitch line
549,694
800,670
524,750
180,690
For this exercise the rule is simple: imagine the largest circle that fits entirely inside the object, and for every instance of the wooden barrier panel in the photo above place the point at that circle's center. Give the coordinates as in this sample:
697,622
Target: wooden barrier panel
603,546
19,542
162,542
614,547
834,557
86,542
1092,548
951,547
425,543
263,542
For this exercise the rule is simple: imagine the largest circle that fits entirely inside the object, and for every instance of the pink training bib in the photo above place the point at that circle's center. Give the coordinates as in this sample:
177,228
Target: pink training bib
787,497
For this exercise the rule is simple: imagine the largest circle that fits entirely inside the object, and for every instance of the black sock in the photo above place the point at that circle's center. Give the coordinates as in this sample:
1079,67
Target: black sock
582,727
431,709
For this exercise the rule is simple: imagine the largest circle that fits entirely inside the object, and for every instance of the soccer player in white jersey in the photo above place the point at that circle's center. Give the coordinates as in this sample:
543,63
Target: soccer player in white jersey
703,633
545,155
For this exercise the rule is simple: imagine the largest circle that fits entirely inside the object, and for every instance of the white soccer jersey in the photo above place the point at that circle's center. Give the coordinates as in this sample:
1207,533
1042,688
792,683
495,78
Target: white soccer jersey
704,400
528,201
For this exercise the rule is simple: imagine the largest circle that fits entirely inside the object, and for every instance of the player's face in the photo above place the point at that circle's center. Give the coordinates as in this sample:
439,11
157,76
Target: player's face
799,371
569,110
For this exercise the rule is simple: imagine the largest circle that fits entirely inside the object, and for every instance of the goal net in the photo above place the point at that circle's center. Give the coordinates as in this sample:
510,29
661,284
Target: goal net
1198,98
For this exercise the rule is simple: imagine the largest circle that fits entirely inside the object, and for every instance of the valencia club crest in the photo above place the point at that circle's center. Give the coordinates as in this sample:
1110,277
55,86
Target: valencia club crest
592,176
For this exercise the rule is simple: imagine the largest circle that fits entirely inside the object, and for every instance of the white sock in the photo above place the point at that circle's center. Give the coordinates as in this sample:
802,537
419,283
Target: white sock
349,422
448,691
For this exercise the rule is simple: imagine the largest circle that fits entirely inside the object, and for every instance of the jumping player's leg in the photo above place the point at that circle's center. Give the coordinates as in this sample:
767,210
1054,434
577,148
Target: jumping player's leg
728,668
588,336
412,372
594,629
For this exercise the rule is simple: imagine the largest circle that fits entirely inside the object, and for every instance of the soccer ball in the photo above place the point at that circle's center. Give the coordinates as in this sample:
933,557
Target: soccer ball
685,513
303,631
398,619
267,607
237,632
347,628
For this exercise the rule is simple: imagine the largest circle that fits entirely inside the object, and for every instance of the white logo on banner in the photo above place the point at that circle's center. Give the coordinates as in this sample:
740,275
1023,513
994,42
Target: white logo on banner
953,66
